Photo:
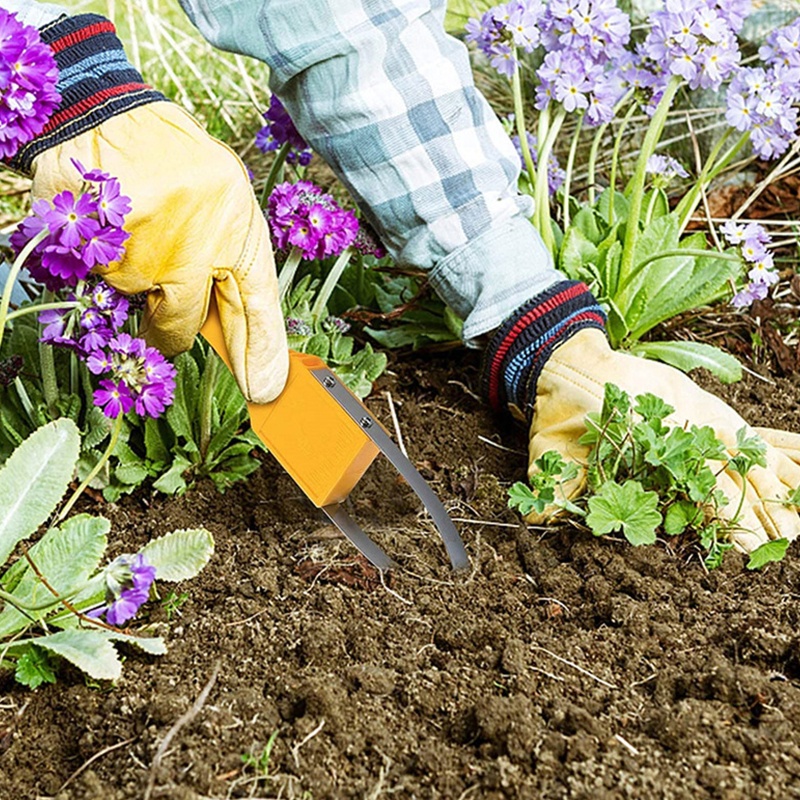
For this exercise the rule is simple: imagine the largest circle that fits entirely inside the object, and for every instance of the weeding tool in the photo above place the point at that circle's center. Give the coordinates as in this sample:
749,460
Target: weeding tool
326,438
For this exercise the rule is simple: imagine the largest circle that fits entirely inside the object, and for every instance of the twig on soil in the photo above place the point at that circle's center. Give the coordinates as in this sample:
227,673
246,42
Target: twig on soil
308,738
576,666
631,749
92,759
500,446
549,674
396,422
485,522
392,591
464,388
183,720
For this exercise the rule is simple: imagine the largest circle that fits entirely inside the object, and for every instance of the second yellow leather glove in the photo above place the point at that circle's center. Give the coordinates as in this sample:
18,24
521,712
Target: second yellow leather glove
552,361
195,224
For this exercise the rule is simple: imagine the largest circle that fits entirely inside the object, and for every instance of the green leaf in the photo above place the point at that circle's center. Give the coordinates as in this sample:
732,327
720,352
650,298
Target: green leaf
34,668
154,440
769,551
34,479
67,556
687,356
179,555
679,515
173,481
522,498
183,410
628,508
621,206
650,407
576,252
89,650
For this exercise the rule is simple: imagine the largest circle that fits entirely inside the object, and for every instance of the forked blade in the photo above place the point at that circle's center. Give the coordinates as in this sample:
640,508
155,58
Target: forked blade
374,430
344,522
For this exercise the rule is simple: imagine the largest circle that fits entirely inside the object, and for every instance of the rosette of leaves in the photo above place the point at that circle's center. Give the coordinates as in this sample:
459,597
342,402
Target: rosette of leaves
46,591
671,274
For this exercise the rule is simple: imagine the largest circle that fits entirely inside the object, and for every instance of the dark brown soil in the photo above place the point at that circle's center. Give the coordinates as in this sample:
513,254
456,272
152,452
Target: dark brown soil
562,666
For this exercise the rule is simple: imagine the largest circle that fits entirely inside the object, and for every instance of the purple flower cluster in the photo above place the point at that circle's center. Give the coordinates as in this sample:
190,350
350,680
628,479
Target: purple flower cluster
99,312
302,216
140,378
280,130
583,41
752,241
555,175
366,242
28,77
504,29
695,39
297,327
761,99
135,376
128,582
83,232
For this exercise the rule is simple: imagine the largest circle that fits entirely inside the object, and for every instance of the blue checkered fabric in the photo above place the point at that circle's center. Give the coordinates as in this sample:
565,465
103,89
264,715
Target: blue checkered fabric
387,98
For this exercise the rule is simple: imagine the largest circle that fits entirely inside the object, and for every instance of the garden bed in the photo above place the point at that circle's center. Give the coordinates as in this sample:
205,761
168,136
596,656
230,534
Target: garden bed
562,665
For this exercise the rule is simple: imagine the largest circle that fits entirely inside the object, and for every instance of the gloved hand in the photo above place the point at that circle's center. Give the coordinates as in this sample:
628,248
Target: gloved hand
570,382
195,223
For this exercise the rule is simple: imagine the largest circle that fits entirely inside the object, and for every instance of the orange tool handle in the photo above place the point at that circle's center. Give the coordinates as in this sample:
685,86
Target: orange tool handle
305,428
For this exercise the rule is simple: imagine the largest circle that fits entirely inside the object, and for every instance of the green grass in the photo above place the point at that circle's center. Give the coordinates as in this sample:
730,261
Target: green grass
225,91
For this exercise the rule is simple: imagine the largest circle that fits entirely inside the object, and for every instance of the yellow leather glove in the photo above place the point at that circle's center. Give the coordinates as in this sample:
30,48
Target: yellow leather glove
571,384
195,224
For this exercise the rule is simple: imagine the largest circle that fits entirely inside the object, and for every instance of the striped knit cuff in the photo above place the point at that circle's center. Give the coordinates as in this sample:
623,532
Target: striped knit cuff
96,82
522,344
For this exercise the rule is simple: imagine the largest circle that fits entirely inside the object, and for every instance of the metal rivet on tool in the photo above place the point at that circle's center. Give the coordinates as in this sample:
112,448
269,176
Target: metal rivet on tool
365,422
329,382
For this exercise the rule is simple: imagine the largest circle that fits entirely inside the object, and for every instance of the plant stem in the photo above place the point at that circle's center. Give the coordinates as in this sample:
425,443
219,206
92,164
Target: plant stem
12,277
686,207
26,401
208,384
331,279
636,185
573,149
519,122
47,365
542,188
592,163
287,272
115,431
35,309
648,216
274,173
615,160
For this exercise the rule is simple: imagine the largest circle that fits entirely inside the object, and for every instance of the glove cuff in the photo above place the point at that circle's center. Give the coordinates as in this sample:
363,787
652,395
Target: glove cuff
96,82
521,346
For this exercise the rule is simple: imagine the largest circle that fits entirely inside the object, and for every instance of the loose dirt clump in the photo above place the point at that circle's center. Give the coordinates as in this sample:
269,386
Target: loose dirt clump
560,666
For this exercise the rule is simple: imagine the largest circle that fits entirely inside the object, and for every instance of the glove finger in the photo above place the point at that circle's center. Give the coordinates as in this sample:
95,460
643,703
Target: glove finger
749,532
779,520
250,313
784,441
173,316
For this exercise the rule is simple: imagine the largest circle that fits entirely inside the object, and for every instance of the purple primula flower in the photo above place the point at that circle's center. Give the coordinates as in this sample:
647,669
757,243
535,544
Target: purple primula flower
747,296
84,232
694,39
128,582
301,215
28,77
114,398
665,167
280,130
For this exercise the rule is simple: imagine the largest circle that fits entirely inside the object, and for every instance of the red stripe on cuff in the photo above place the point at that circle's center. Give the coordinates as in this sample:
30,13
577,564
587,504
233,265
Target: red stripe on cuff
89,103
82,35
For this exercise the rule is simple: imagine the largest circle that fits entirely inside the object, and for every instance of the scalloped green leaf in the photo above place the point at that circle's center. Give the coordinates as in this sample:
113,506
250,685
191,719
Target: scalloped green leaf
179,555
